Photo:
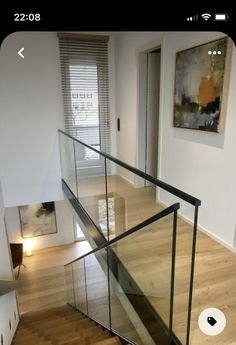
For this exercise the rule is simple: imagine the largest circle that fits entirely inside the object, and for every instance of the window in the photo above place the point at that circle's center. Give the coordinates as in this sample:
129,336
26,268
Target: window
85,84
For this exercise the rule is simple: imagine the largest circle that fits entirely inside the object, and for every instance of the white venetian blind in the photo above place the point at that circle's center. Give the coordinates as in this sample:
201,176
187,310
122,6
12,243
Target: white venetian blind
85,85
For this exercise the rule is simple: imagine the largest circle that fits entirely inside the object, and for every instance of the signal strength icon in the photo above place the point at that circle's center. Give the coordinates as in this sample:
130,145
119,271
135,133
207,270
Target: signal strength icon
206,16
193,18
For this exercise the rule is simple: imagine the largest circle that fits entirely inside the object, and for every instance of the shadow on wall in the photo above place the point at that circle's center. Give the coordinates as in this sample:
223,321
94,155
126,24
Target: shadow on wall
200,137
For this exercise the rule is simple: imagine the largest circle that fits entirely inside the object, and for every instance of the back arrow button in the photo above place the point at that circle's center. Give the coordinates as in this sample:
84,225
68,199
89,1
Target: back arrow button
20,53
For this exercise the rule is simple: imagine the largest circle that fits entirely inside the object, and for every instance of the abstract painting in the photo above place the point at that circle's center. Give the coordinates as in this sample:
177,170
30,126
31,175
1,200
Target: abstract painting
201,79
38,219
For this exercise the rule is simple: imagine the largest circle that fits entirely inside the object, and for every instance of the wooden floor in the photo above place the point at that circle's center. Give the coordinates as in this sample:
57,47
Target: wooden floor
214,286
42,283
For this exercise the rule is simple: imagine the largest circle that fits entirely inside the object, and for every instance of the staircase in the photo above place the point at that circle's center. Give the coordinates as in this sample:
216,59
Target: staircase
61,326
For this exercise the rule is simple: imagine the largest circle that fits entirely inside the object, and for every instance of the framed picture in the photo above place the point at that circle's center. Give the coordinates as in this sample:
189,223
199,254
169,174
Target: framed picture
201,85
38,219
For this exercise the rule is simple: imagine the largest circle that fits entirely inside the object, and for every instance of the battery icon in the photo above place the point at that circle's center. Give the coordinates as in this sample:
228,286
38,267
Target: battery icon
221,16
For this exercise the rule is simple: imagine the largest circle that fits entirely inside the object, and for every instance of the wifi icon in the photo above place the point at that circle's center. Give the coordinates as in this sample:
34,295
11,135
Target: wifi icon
206,16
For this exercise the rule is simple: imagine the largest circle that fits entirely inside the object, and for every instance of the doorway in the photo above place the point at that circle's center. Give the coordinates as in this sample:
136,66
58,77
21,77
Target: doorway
79,235
149,96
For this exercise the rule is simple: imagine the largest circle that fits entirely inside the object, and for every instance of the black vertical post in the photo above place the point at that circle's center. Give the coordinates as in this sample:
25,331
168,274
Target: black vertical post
172,289
107,249
146,122
107,205
85,285
76,180
192,273
109,288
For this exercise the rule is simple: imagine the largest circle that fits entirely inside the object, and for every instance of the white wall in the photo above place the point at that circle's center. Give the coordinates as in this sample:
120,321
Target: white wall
8,302
199,163
65,227
31,112
5,258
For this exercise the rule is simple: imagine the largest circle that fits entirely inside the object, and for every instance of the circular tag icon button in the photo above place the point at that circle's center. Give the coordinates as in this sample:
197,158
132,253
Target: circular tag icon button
212,321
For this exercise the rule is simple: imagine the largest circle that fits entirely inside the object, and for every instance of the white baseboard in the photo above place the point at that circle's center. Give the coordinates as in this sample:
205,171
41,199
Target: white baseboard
216,238
205,231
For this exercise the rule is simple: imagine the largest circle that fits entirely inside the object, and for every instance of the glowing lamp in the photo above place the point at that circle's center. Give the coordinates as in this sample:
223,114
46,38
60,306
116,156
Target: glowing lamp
28,246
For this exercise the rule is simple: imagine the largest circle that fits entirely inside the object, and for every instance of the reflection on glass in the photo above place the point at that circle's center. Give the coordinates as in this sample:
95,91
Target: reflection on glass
102,211
91,182
133,202
91,155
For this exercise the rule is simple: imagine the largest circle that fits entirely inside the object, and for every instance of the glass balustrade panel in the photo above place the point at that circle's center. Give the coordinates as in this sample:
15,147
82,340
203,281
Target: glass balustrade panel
68,162
90,170
80,286
141,284
97,287
69,285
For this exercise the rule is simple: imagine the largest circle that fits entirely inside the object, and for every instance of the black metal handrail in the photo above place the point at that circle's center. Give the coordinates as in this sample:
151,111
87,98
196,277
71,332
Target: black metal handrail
175,191
146,222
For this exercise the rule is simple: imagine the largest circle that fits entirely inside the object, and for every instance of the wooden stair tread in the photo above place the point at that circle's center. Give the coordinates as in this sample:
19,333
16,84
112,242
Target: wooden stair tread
48,316
93,339
76,342
56,323
75,326
76,335
109,341
64,308
30,339
61,326
25,334
81,335
66,332
33,341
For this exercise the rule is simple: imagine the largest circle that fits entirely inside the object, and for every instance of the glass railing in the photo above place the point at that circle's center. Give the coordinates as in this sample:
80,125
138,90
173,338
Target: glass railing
105,283
113,196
